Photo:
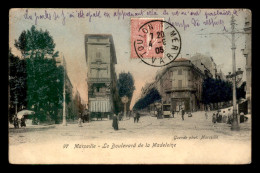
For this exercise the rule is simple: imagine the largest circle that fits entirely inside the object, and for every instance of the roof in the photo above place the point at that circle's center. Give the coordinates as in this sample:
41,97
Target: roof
110,37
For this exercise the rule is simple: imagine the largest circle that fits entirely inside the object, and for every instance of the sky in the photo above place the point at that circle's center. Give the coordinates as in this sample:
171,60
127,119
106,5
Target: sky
68,27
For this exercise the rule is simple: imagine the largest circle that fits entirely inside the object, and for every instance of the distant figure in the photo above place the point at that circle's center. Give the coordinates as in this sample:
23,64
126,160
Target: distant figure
16,123
137,116
206,115
172,113
219,117
23,122
224,117
80,122
83,115
182,114
88,116
115,122
158,113
230,119
243,118
214,118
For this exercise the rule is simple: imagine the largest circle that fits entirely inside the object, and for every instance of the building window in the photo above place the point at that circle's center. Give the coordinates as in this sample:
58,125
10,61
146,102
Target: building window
98,54
179,71
179,83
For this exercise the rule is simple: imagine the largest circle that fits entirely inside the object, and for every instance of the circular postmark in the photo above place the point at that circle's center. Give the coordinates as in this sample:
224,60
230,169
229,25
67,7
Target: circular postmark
158,43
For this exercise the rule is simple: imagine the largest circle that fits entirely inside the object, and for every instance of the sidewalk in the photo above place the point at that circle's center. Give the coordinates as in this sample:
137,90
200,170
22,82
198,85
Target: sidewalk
30,127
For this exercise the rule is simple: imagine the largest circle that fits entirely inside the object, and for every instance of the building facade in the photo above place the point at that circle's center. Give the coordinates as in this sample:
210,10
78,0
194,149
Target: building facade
247,53
101,76
180,85
205,62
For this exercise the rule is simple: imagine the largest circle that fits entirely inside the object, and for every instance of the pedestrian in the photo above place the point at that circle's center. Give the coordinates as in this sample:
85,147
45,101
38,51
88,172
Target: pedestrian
230,119
83,117
23,122
137,116
182,114
115,122
224,117
80,122
220,117
243,118
206,115
172,113
16,124
214,118
158,113
88,116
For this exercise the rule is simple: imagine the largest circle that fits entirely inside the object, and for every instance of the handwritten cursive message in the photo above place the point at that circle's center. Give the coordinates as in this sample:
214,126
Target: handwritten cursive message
180,18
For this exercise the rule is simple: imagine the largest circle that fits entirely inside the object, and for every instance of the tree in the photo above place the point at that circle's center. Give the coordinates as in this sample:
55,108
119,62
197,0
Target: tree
17,83
125,84
152,96
36,42
216,90
45,87
44,78
241,93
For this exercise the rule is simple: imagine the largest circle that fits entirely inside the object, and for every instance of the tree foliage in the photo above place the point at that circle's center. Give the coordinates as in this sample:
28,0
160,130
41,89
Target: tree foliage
45,86
125,85
241,93
152,96
35,42
17,83
44,92
216,90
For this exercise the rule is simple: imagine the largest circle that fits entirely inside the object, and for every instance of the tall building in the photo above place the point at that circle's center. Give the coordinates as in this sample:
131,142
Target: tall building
205,62
101,76
180,85
69,90
247,54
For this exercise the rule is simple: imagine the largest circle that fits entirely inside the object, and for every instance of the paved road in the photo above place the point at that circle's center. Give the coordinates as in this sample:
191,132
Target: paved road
193,131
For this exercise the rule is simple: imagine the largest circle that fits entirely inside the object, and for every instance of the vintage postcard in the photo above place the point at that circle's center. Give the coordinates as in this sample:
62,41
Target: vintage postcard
129,86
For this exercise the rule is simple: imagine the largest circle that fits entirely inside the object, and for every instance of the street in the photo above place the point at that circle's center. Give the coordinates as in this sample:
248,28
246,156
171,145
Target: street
160,138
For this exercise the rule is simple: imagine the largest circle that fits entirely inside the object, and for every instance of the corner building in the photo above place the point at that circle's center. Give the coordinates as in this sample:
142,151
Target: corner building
180,85
101,76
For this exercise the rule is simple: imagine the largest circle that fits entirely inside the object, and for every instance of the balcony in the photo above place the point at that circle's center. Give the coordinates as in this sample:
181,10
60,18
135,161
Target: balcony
177,89
98,80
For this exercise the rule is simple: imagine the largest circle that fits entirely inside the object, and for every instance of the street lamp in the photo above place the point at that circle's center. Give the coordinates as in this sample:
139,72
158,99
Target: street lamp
234,125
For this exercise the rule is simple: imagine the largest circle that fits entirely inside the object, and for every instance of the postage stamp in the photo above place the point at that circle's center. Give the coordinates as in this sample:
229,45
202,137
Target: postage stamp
129,86
155,42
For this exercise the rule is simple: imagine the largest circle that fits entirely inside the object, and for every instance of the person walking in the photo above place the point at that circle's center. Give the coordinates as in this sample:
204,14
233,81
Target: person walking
214,118
80,122
206,115
182,114
115,122
137,116
16,122
88,116
23,122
